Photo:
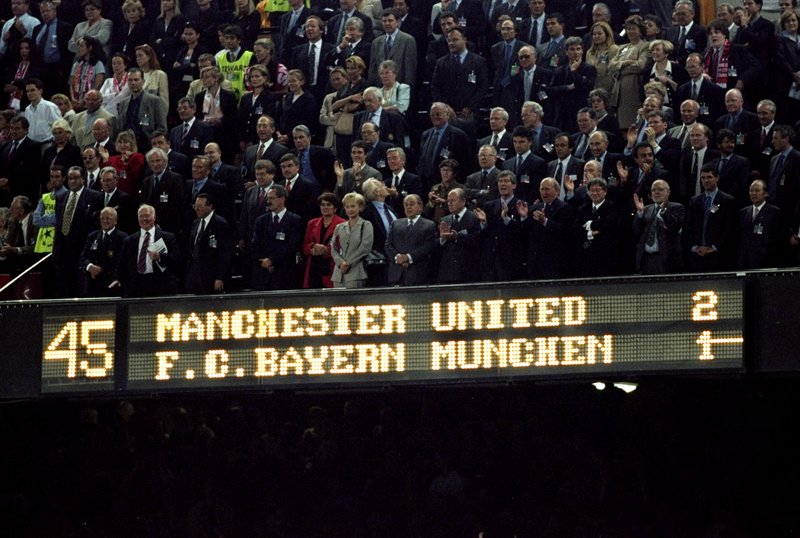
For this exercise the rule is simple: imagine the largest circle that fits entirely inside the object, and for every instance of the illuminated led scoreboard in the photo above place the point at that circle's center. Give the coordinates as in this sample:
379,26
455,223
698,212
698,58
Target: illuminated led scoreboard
438,334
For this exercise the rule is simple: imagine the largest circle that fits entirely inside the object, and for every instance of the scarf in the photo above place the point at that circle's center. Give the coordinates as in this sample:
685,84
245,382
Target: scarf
16,95
722,68
116,86
85,81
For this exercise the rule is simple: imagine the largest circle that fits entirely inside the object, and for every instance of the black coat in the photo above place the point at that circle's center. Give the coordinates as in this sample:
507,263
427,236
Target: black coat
281,247
160,282
761,241
167,199
209,256
549,243
106,255
457,256
196,139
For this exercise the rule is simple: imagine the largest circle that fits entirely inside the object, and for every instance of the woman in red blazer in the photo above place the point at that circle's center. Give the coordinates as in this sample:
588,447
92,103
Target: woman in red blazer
317,243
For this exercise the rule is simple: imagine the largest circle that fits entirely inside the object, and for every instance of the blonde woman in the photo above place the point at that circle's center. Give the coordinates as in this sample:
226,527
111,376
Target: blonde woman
352,241
165,36
628,66
136,29
248,19
129,164
600,54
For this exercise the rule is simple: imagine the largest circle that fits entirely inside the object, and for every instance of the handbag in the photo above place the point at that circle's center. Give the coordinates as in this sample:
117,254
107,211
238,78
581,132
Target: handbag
375,258
344,123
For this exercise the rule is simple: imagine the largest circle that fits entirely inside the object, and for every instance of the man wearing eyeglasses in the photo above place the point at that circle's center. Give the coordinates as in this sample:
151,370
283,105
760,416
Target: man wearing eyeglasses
658,228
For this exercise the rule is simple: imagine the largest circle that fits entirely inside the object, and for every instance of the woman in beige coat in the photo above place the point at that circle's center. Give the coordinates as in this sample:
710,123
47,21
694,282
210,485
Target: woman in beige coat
628,65
352,241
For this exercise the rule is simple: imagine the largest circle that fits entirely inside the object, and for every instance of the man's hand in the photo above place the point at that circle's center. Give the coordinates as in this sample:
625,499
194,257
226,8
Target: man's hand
95,270
575,65
622,172
481,215
650,133
219,285
569,184
154,255
445,231
465,113
115,284
338,169
522,209
638,203
266,263
504,211
357,170
401,259
631,135
704,251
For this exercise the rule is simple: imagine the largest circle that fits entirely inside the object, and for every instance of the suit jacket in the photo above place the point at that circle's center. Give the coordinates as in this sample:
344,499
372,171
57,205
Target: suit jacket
70,155
294,36
393,127
403,52
460,86
544,143
497,65
19,169
668,234
761,241
232,179
503,246
525,32
744,66
281,247
505,146
302,200
476,20
199,135
337,58
322,160
409,184
785,182
162,281
351,246
688,183
303,111
251,210
457,256
126,40
63,33
600,256
419,243
720,226
551,59
218,194
82,133
759,35
760,154
15,238
745,124
153,107
209,256
104,254
549,251
379,233
475,183
167,199
250,110
529,175
178,163
695,40
273,153
68,248
332,27
734,178
574,168
453,145
101,30
123,203
349,180
571,100
299,60
225,133
376,158
711,99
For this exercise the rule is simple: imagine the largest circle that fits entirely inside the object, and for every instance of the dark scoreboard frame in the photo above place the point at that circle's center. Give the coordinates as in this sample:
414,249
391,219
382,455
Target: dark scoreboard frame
494,333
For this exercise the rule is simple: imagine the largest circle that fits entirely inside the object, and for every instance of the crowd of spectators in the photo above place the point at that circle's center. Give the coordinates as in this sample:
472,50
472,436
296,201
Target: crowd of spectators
675,458
542,140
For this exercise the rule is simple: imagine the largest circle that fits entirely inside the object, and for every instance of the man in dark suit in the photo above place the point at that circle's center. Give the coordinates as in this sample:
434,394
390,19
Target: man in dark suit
354,42
19,163
734,170
552,54
122,202
598,147
276,240
693,159
301,194
439,48
532,114
709,233
77,212
756,32
566,166
469,11
762,231
392,125
410,246
226,175
504,56
658,227
740,121
210,249
164,191
442,141
709,96
637,179
292,34
21,236
316,162
596,232
687,36
176,162
533,29
460,79
377,150
745,66
759,141
266,148
548,226
529,169
101,133
587,126
667,150
100,256
52,38
402,49
458,241
201,182
337,25
400,182
149,261
192,135
502,239
571,85
254,204
141,112
500,139
481,187
783,186
308,57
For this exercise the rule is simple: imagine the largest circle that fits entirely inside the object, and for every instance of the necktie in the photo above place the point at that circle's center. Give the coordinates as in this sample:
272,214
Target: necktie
200,229
427,164
288,187
755,213
494,141
261,197
91,180
387,47
582,146
348,51
559,176
519,164
528,84
507,75
410,225
722,164
594,210
292,22
694,91
551,47
260,151
43,36
194,190
682,36
455,221
694,174
231,57
276,222
67,223
141,266
763,138
108,197
773,181
534,33
706,213
312,63
396,182
714,62
13,151
651,231
484,174
97,146
389,216
185,131
458,59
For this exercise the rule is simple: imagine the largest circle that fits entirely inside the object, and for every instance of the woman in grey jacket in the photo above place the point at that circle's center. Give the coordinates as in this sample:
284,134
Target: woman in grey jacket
352,241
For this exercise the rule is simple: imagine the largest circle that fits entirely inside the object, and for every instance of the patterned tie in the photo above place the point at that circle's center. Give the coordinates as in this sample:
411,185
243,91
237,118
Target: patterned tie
763,138
261,149
388,47
755,213
694,173
276,222
67,223
494,141
694,91
312,63
142,265
261,197
185,131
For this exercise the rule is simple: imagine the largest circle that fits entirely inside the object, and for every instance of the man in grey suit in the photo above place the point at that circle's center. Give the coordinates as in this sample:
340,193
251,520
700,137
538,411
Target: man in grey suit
141,112
83,121
394,45
410,245
659,229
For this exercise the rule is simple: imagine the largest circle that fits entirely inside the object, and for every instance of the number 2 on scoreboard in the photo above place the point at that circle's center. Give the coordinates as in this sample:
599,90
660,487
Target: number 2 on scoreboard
65,347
